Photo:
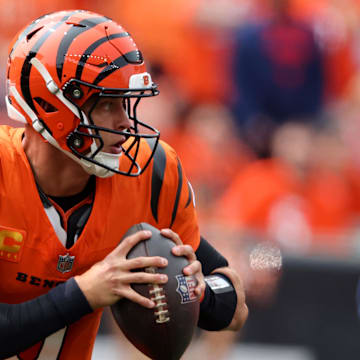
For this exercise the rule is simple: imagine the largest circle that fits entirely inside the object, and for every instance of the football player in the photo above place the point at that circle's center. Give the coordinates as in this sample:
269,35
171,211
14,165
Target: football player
73,181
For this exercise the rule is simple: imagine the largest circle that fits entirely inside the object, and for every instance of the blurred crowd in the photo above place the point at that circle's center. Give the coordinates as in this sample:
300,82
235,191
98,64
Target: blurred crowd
261,100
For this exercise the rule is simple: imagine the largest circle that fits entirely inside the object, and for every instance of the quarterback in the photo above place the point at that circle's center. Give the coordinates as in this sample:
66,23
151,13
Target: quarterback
75,178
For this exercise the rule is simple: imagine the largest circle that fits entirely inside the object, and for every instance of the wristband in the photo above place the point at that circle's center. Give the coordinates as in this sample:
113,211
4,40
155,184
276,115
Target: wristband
219,303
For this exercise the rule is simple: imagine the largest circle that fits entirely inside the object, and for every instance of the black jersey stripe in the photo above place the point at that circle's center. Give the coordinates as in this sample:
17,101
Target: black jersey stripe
190,196
25,71
92,48
178,192
157,177
72,33
115,65
39,347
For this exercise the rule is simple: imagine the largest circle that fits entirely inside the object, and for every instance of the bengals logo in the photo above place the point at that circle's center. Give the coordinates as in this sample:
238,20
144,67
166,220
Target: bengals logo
11,244
146,80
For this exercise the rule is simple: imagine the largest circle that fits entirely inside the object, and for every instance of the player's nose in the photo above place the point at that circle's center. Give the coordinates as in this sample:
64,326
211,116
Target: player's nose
121,118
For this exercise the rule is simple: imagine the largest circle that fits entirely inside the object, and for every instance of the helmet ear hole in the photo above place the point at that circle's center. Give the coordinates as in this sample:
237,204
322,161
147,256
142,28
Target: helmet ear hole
46,106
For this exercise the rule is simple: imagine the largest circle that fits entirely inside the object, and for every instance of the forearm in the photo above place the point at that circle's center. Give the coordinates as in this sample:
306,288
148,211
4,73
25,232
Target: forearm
225,307
241,311
23,325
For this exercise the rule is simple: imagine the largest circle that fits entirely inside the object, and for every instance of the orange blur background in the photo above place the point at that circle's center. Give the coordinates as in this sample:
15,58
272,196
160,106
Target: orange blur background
291,182
189,48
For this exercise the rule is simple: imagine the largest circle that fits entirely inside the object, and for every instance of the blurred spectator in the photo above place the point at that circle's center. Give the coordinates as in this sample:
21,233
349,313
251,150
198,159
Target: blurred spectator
188,39
207,144
278,75
335,24
303,198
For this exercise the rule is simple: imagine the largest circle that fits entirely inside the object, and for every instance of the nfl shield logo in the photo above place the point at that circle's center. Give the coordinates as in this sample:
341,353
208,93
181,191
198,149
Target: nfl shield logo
65,263
186,288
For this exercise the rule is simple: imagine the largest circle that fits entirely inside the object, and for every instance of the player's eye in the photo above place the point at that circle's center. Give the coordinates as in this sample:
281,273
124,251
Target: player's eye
106,105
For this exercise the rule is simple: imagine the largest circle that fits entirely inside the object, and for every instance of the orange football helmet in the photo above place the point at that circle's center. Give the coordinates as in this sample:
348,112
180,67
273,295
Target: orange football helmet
61,60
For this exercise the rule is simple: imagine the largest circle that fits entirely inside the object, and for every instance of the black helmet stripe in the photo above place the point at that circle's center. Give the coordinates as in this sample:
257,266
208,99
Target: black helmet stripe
71,35
115,65
26,31
92,48
25,71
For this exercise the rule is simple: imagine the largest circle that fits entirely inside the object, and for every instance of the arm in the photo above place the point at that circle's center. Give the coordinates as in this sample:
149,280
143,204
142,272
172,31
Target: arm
241,310
23,325
223,310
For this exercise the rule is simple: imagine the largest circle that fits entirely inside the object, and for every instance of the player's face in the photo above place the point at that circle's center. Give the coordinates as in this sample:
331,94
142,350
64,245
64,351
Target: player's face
110,113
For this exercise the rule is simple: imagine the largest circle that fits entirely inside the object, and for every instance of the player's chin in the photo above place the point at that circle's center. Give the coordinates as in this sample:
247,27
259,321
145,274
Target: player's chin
113,149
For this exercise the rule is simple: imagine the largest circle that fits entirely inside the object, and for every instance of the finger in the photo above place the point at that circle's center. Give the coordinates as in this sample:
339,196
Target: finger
144,278
144,261
184,250
171,235
200,287
130,241
132,295
193,268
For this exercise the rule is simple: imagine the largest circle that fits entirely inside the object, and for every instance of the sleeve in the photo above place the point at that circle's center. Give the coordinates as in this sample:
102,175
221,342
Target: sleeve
172,197
23,325
210,258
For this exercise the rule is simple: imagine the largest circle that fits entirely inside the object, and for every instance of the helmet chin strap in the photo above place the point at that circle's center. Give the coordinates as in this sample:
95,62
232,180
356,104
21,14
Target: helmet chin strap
110,160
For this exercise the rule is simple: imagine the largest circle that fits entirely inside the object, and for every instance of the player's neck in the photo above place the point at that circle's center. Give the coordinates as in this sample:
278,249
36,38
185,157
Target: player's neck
55,173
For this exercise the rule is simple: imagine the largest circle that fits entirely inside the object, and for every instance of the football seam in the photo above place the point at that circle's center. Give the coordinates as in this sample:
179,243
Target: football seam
157,295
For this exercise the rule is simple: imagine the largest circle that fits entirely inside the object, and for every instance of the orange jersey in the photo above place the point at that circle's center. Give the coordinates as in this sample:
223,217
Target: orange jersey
33,260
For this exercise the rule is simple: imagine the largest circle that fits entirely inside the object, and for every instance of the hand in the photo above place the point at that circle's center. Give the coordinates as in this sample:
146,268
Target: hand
194,268
110,279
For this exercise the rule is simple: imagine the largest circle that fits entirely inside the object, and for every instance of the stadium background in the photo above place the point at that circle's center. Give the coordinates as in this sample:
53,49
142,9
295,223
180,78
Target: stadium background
265,115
